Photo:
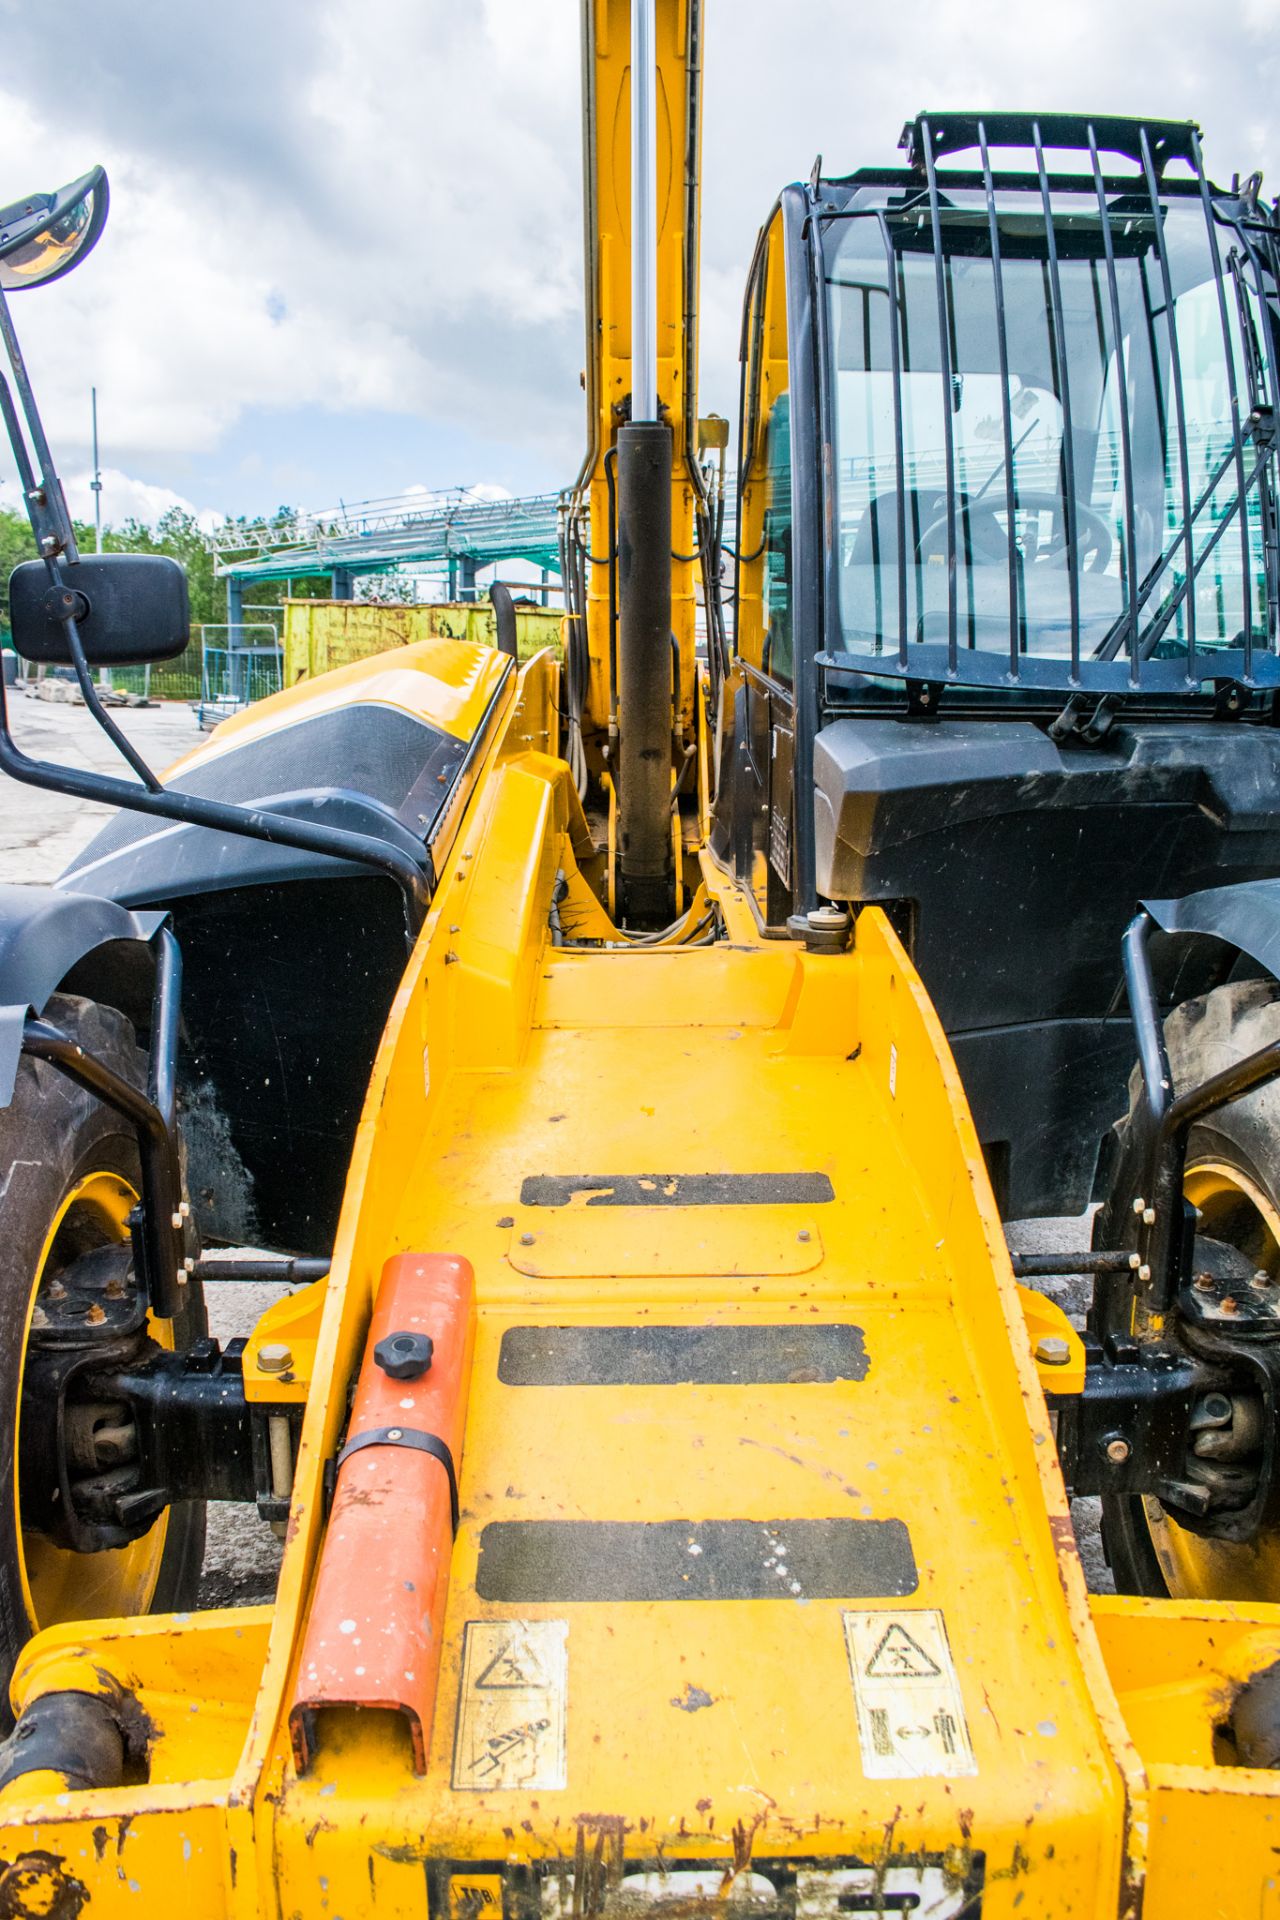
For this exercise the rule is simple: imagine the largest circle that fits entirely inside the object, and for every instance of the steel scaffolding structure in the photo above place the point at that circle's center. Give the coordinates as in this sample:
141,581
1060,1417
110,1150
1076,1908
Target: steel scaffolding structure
453,533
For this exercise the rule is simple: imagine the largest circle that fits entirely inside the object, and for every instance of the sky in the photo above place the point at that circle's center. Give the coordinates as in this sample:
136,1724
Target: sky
344,251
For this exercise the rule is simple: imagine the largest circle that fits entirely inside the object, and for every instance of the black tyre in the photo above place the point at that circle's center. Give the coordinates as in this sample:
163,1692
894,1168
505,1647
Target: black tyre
69,1176
1233,1177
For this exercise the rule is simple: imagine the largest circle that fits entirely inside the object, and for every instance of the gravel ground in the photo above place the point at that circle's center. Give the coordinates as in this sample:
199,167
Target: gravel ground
242,1555
1072,1294
40,832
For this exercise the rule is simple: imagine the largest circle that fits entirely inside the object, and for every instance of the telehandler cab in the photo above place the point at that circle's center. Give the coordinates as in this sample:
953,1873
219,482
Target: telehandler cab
630,1060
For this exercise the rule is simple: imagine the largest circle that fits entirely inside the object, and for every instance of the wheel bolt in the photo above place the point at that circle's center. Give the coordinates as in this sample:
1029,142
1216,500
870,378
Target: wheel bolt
1261,1280
1203,1283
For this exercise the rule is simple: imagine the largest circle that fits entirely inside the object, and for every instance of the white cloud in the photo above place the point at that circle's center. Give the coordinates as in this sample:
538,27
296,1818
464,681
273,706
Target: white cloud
398,227
124,497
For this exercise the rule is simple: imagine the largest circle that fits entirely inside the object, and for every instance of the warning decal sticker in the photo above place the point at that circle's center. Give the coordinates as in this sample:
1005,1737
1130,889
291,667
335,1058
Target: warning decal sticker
910,1714
510,1729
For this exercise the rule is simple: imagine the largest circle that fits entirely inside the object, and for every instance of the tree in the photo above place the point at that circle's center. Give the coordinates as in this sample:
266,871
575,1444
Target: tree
176,533
16,544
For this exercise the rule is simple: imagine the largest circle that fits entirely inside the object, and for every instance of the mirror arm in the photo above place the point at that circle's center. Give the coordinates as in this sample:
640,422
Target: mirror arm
46,503
26,473
53,529
75,648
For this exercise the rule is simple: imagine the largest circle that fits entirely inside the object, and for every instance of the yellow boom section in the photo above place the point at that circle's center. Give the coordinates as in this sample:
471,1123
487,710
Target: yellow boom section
606,74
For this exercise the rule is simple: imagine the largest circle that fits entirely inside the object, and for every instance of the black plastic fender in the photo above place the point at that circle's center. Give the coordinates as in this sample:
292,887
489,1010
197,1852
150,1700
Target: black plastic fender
1246,915
44,936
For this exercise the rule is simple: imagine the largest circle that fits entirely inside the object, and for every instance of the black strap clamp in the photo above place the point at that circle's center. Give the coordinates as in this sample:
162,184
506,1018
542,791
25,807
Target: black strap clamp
408,1437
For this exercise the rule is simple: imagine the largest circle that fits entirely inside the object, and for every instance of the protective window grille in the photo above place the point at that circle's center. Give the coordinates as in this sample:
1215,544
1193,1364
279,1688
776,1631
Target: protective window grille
1054,414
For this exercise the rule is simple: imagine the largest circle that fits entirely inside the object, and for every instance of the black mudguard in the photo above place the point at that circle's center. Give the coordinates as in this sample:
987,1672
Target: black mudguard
1245,916
48,938
290,959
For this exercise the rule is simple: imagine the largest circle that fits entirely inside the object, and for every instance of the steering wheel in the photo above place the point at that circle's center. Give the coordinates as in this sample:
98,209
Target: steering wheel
988,539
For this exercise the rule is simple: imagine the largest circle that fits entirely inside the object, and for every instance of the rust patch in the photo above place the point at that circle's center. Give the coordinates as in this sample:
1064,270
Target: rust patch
99,1842
1064,1535
743,1836
597,1861
36,1886
1019,1864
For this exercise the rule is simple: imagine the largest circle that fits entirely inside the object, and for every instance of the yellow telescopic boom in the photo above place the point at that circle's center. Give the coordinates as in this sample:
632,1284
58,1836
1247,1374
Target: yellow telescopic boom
670,307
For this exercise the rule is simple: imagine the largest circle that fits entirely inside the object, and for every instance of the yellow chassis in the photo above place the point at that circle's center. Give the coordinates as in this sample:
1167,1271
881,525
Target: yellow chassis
710,1746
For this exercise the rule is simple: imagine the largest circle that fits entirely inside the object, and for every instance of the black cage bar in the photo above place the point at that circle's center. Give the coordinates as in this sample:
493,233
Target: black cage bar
1153,644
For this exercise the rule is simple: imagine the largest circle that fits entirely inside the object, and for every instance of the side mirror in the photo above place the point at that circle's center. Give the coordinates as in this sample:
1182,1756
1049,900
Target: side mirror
130,608
43,236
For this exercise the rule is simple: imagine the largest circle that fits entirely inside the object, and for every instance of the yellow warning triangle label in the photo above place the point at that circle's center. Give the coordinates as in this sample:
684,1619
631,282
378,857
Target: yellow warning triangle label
899,1657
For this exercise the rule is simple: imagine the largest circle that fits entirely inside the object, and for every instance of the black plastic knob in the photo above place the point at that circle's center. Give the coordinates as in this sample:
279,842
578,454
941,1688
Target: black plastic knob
404,1356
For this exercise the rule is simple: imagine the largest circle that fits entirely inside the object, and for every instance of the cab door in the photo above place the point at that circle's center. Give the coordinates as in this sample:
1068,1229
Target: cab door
761,773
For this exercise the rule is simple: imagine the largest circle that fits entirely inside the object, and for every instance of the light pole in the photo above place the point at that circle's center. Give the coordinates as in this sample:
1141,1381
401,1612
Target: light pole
96,482
95,485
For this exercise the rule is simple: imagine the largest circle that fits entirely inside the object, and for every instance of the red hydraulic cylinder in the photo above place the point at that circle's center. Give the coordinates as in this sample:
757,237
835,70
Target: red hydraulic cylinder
373,1637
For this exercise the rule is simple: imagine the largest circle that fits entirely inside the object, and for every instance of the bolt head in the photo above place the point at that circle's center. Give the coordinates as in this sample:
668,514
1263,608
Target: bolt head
1139,1205
404,1356
1148,1216
1118,1451
526,1239
1261,1281
274,1358
1053,1351
828,919
1203,1283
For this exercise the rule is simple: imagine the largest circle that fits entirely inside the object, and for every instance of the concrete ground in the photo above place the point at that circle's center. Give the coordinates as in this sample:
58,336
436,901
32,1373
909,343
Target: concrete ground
40,832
